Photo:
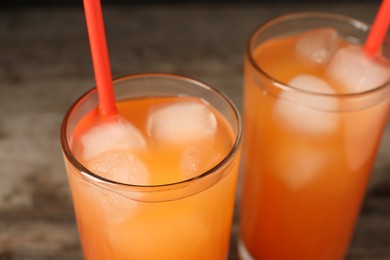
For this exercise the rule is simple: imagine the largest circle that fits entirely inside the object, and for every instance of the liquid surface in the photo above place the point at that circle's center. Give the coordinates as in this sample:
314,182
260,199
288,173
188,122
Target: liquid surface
173,148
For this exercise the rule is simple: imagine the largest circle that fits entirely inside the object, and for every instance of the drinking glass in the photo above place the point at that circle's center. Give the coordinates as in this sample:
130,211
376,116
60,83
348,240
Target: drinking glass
307,156
185,219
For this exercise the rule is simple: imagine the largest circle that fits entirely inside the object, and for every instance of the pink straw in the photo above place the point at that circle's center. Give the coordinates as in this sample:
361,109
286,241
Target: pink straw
378,30
101,62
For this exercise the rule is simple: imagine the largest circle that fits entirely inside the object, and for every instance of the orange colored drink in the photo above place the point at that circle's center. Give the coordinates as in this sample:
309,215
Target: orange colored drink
168,197
307,154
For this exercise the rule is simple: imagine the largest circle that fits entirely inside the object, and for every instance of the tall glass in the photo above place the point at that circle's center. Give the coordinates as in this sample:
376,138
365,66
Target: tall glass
186,219
306,160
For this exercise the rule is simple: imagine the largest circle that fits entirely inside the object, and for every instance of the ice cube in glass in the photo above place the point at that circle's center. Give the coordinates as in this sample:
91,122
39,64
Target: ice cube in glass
356,72
307,111
317,46
181,122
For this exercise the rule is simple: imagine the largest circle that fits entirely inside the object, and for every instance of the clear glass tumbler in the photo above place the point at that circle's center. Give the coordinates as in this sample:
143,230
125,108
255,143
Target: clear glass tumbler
307,155
184,219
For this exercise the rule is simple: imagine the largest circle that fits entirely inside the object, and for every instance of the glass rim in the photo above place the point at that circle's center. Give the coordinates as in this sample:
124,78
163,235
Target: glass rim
294,16
84,171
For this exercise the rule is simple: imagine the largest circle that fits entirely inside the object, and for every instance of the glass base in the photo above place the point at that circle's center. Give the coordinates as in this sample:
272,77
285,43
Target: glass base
243,252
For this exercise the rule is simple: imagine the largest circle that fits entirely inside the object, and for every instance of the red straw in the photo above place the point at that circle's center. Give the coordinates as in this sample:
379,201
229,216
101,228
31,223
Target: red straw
378,30
101,62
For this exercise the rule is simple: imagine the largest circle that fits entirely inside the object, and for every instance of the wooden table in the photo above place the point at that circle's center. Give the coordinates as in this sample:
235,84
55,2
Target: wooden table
45,65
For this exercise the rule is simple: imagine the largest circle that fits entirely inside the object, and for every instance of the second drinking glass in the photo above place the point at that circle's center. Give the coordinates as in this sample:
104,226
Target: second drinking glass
315,108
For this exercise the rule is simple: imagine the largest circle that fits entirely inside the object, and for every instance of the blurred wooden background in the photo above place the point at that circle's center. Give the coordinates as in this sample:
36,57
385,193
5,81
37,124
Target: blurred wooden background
45,65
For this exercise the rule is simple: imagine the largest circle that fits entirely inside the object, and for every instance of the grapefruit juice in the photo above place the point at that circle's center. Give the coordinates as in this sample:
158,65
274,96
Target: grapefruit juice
155,194
309,147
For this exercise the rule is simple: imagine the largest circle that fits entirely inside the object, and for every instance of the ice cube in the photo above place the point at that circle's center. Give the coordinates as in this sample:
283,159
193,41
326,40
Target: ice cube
116,205
311,83
197,159
302,112
298,165
357,72
119,165
104,201
317,46
181,122
116,134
